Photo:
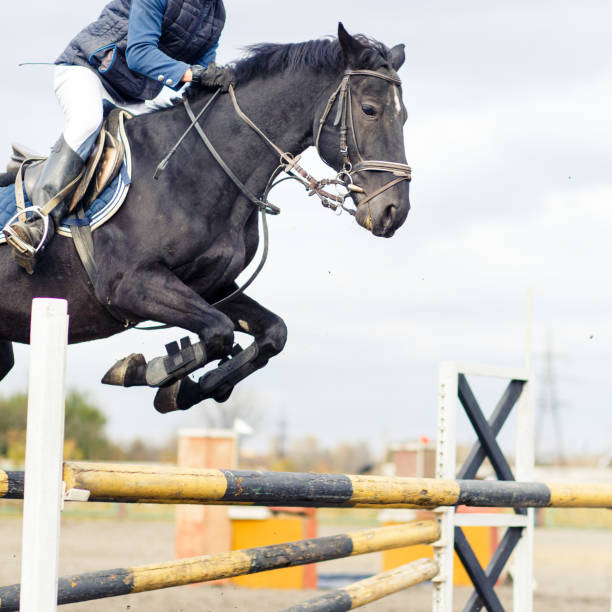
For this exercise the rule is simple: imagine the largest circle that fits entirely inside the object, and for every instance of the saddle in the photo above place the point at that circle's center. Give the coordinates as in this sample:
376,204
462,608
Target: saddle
101,167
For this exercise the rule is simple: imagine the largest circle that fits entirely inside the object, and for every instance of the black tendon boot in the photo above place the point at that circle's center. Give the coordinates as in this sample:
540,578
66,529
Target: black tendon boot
26,237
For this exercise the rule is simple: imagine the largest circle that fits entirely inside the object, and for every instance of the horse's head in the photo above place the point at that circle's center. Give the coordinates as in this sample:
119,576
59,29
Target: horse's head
360,133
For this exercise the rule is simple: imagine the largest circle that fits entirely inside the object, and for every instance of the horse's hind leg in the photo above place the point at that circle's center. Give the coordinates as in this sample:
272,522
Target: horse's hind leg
7,360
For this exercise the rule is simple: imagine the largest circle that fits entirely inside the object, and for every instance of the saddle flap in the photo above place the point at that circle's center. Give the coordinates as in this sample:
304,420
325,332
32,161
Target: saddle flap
104,162
90,169
108,167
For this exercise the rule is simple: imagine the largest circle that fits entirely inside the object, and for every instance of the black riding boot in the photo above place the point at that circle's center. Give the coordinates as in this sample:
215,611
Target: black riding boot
26,237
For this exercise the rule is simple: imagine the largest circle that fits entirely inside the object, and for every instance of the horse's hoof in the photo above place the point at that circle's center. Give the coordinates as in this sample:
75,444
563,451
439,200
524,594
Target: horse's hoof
180,395
128,372
166,398
223,394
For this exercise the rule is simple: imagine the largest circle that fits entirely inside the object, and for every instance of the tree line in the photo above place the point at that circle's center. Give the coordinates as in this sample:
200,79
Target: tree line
84,434
85,438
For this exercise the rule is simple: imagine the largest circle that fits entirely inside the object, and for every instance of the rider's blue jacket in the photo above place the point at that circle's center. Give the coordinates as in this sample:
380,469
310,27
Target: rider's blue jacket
143,53
138,46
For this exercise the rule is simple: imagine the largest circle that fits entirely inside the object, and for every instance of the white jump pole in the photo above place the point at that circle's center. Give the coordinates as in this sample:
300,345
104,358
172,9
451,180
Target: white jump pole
44,449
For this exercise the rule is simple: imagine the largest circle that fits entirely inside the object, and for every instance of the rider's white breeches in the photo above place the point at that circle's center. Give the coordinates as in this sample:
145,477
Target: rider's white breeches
82,96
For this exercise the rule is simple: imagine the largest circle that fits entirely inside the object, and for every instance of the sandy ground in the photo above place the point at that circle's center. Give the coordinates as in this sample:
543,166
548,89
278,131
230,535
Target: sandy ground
573,570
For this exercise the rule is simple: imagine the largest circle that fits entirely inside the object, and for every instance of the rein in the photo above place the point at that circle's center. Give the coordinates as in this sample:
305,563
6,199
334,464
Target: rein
289,165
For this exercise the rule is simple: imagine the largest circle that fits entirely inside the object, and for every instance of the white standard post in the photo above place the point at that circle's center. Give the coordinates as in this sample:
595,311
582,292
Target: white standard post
44,450
446,462
523,574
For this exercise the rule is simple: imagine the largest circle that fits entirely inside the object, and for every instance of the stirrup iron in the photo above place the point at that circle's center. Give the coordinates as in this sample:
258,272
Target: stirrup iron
16,242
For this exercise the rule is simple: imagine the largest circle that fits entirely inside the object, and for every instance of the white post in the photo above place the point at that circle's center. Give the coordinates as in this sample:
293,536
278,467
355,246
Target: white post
523,571
44,450
446,462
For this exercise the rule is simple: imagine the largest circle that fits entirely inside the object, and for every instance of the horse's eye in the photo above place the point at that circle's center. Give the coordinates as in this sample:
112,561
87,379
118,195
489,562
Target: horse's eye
369,110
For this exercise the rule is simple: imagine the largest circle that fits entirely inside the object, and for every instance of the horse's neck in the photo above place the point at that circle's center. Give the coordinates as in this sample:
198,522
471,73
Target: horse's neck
283,107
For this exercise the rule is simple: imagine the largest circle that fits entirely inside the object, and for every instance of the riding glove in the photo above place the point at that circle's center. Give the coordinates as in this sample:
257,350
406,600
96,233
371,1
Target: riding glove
213,76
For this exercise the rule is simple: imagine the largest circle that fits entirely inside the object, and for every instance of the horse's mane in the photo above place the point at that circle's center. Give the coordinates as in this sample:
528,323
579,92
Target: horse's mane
324,54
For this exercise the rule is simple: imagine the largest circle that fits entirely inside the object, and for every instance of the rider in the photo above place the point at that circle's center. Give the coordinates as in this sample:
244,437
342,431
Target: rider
135,55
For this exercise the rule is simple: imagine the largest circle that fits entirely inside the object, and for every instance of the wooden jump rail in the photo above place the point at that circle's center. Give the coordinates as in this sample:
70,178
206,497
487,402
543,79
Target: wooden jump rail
371,589
172,485
125,581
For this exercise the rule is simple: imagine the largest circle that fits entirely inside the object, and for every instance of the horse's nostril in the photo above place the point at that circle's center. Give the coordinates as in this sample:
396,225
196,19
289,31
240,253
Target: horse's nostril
389,215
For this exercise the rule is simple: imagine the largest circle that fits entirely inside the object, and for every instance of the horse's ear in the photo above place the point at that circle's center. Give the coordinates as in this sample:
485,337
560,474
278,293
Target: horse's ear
351,47
398,56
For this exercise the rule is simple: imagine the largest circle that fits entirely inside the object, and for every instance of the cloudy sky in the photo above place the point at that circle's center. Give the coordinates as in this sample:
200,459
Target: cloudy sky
509,136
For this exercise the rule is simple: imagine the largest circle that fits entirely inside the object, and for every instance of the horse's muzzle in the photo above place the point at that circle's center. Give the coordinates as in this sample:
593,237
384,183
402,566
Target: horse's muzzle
381,216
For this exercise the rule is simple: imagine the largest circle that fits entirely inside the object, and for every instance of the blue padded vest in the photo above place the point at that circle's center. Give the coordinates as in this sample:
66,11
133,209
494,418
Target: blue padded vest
189,29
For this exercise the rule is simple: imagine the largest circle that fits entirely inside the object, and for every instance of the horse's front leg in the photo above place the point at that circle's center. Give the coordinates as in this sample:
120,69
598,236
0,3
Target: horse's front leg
270,334
157,294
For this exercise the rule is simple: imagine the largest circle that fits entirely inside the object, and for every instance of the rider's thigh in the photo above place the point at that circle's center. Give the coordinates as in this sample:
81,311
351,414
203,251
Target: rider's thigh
80,93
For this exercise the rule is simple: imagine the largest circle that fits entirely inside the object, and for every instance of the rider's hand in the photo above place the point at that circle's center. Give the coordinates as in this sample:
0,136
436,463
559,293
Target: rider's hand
212,76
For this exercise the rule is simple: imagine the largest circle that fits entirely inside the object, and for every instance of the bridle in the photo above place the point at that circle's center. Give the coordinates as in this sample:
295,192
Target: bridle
344,118
290,166
289,163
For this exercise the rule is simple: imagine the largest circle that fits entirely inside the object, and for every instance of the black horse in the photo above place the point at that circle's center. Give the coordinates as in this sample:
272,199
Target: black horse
178,243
